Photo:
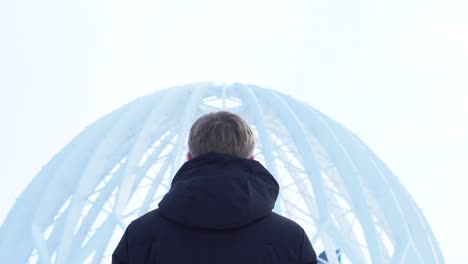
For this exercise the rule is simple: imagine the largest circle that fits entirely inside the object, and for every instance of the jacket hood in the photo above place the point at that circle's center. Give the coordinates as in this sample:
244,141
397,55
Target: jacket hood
219,191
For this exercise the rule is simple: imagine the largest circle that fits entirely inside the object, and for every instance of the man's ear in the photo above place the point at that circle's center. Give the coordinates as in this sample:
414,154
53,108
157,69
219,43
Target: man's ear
189,156
252,158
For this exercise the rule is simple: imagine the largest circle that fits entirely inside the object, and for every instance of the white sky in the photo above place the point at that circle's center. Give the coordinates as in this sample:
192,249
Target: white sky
396,73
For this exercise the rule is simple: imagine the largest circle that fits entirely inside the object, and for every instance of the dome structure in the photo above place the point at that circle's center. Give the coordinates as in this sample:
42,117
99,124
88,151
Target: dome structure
351,205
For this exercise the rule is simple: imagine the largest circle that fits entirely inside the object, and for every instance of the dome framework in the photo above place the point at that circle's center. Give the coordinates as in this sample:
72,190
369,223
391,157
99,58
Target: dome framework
76,209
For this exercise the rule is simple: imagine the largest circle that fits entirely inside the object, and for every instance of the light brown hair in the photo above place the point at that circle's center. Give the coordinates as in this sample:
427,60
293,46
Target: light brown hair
221,132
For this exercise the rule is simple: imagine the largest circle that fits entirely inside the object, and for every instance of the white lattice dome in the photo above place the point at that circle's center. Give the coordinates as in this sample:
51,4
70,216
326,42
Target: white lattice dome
76,209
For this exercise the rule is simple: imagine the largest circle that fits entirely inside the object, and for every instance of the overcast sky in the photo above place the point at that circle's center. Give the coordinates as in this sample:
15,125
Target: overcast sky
395,73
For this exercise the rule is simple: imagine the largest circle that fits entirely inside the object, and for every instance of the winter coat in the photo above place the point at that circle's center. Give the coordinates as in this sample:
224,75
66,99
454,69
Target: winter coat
218,210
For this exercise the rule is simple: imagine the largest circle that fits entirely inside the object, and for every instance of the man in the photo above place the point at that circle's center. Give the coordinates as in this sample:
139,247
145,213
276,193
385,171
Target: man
218,209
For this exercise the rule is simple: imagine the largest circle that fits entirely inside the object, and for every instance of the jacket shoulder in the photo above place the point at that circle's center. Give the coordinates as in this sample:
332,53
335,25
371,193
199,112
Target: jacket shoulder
291,235
142,230
280,231
284,224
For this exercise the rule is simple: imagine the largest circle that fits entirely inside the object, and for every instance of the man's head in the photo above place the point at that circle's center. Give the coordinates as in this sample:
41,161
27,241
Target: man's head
221,132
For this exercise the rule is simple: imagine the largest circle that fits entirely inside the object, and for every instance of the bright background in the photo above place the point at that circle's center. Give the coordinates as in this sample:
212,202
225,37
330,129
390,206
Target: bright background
394,72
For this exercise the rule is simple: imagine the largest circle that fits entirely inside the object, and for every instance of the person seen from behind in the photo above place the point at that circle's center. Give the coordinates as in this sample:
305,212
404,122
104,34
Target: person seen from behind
218,209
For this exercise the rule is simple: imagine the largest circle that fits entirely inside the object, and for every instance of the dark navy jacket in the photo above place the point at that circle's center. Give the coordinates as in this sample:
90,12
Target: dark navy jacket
218,211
